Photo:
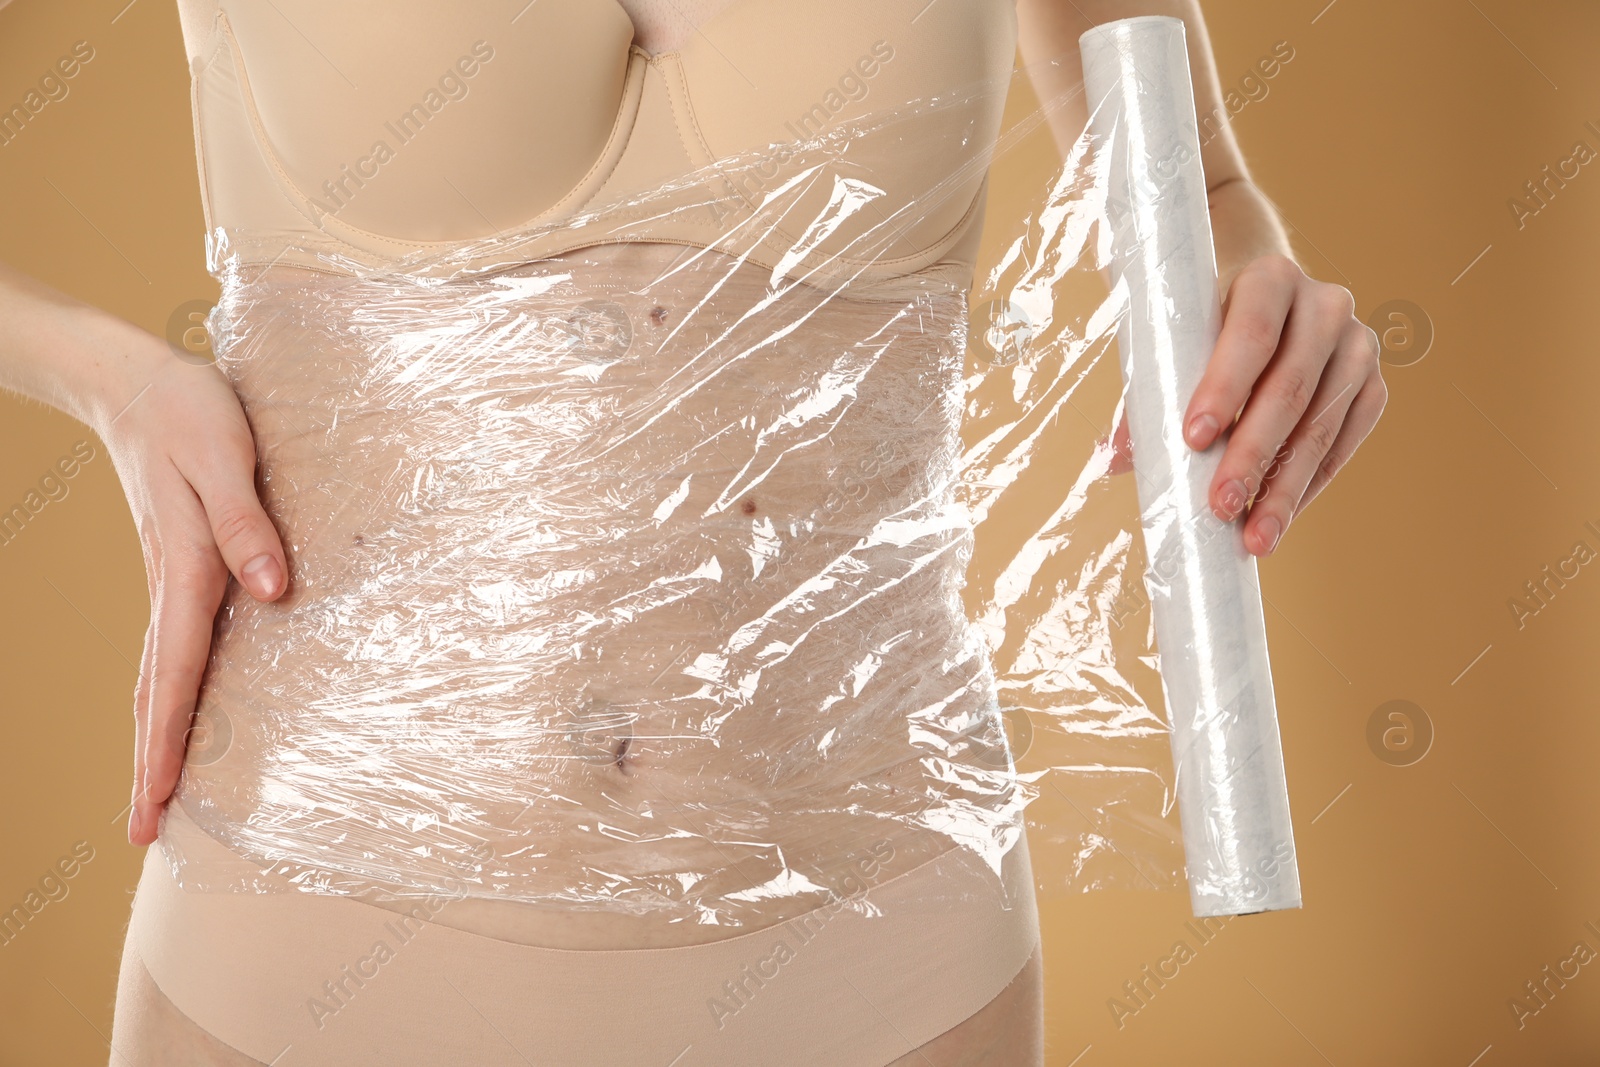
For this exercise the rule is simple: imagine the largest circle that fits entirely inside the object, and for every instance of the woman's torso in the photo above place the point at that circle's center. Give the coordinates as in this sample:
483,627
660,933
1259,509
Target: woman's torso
624,581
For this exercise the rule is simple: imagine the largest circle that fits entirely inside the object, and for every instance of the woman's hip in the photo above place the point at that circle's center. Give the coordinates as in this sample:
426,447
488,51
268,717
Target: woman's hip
294,977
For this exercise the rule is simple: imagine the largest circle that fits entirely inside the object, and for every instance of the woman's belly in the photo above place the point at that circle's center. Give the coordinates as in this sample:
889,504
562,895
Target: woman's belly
620,585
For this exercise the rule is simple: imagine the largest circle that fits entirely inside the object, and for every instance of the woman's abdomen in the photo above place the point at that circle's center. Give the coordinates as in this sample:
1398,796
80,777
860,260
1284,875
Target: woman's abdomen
620,583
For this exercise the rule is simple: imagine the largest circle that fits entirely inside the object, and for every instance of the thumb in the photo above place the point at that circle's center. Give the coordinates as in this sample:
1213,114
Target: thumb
1121,447
244,534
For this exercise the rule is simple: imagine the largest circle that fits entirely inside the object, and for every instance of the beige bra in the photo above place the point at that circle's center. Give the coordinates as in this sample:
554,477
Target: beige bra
406,134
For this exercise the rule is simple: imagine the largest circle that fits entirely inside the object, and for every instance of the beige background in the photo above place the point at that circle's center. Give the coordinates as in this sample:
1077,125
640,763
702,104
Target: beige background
1392,143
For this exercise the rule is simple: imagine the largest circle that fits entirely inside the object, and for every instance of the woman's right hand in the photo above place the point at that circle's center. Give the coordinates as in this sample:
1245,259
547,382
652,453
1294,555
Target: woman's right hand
183,449
184,452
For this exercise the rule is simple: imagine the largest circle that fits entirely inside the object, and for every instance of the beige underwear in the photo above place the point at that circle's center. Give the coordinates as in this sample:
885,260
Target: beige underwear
293,978
546,126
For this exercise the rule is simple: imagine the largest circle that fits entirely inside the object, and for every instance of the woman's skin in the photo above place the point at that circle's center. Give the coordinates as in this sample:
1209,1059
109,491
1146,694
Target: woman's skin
666,25
1293,366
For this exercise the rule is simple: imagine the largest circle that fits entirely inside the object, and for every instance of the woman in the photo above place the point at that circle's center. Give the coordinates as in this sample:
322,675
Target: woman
578,690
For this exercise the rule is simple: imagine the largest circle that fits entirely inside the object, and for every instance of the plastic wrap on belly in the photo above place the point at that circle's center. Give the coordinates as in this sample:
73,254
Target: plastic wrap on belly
640,576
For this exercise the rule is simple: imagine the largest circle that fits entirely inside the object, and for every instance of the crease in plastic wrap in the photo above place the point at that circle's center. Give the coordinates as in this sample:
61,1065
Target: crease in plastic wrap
650,578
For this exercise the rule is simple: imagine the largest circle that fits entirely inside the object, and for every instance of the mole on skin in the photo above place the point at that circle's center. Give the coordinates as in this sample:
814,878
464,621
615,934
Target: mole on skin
749,505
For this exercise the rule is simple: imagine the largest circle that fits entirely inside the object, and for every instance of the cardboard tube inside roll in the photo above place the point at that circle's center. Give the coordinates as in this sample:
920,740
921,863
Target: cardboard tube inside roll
1204,590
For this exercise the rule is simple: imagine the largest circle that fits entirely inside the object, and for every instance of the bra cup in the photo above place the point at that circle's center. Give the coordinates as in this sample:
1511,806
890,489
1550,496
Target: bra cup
239,190
397,137
925,84
602,156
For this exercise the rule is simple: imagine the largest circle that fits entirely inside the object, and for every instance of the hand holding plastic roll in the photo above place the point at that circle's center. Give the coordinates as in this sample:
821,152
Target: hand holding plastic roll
1205,594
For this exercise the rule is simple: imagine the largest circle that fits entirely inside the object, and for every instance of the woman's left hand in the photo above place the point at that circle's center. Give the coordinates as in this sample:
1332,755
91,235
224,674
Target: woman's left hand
1305,371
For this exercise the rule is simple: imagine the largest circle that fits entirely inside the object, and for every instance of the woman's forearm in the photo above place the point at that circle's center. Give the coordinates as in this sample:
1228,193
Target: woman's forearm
1243,223
70,355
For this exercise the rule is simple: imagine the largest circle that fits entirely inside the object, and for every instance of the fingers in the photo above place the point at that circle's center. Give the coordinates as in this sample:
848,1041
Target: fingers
1353,365
200,519
1305,373
141,725
1359,421
1252,323
1121,445
177,646
243,533
187,580
1283,395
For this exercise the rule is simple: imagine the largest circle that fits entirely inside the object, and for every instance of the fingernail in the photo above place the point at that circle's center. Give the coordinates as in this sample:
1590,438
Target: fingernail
1232,500
261,576
1202,428
133,824
1269,533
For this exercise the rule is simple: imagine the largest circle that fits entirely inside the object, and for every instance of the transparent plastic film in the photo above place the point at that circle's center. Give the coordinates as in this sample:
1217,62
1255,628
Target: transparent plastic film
718,548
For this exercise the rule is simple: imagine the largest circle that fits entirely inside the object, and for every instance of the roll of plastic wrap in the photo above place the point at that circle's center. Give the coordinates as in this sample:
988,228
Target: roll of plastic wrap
1205,596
